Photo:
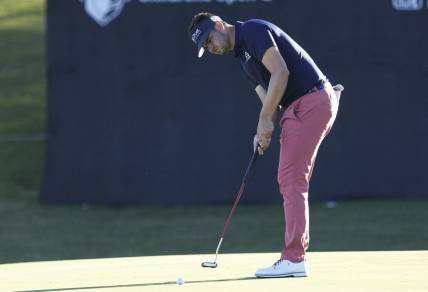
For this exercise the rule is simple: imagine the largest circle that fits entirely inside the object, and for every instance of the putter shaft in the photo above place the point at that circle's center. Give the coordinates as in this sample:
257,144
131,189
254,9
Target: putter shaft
218,248
232,211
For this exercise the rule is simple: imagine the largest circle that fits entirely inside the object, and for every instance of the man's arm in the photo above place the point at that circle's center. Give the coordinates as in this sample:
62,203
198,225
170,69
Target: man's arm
261,92
277,67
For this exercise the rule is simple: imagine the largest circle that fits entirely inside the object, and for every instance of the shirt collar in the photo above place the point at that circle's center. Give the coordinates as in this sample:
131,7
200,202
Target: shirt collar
238,38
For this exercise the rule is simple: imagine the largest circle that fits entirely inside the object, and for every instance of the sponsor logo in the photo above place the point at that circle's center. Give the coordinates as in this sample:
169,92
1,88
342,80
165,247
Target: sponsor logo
196,35
105,11
407,4
247,57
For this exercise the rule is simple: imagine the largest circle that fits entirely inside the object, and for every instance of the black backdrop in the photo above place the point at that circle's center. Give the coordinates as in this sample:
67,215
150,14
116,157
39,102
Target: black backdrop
135,117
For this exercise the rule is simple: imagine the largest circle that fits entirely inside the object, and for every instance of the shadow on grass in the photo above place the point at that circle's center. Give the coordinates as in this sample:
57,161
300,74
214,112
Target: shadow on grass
143,285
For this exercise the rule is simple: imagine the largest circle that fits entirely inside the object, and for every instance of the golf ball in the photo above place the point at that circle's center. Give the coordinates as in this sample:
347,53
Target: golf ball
180,281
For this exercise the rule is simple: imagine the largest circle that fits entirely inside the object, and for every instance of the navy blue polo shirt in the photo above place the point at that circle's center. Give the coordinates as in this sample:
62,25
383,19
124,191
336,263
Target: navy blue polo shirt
254,37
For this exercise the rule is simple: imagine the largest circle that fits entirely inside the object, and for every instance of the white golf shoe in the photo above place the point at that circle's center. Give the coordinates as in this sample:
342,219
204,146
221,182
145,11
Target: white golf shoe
284,268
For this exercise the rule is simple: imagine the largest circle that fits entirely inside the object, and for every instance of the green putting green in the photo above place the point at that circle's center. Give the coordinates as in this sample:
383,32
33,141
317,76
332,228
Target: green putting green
329,271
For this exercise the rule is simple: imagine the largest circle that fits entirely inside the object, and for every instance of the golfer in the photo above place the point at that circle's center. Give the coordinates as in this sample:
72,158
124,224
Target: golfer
295,95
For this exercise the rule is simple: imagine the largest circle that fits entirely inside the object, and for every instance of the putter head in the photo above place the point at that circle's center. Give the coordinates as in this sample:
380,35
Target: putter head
209,265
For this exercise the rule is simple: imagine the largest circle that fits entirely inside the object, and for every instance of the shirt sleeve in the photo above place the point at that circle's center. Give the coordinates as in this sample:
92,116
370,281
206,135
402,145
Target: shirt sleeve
258,39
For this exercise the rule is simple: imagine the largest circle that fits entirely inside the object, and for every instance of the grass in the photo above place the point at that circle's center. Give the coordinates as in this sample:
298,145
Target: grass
328,271
38,232
30,231
21,169
22,66
22,97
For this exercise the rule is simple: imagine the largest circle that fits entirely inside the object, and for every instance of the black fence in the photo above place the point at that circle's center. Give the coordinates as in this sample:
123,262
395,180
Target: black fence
135,117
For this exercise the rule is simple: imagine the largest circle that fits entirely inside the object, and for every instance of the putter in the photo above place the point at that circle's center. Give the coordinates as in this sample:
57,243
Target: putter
232,211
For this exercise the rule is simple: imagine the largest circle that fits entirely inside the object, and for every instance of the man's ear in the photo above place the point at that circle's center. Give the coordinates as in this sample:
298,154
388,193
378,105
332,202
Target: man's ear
219,25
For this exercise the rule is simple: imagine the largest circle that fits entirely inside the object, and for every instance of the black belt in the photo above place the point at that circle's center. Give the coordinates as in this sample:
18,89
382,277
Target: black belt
319,86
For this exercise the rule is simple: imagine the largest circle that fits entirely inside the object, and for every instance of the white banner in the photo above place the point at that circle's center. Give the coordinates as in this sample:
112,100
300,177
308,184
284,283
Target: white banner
408,4
105,11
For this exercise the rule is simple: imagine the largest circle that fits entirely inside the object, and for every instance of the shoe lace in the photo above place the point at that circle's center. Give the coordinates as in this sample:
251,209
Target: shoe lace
277,262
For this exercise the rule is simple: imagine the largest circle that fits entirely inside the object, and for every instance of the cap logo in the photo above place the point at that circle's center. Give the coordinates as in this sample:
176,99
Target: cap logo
196,35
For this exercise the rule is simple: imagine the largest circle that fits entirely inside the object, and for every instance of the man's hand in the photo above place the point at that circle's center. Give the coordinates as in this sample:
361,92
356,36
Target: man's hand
264,135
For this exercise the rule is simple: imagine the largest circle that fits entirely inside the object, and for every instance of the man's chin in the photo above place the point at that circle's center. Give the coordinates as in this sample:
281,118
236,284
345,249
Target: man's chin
220,53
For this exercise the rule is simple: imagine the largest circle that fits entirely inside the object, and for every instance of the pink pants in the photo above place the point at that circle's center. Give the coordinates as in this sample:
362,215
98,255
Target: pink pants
304,124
